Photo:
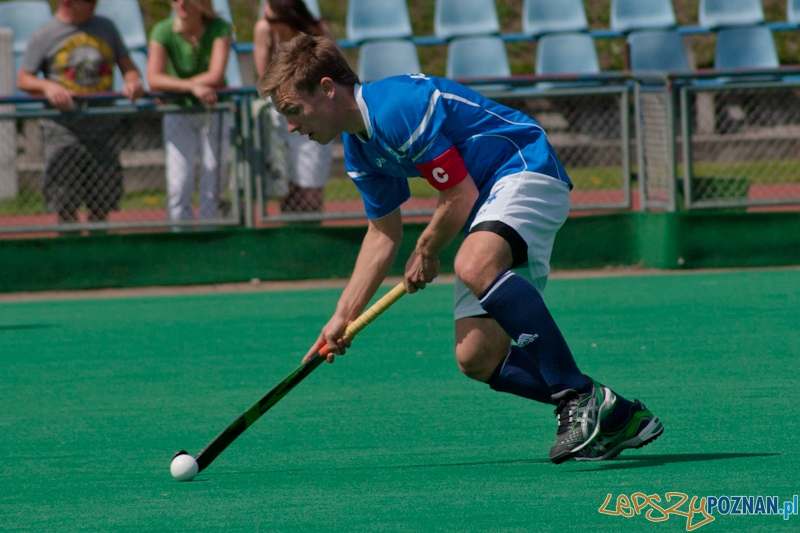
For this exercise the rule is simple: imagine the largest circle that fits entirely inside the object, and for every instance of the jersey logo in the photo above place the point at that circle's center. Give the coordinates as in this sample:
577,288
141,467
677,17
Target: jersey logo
394,154
525,339
440,175
418,76
493,197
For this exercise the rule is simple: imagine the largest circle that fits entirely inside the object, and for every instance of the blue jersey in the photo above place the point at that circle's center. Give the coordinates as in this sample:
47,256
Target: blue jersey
420,125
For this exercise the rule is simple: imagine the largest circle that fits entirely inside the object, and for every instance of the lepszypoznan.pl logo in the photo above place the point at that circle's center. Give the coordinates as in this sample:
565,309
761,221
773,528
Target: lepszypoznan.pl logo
696,511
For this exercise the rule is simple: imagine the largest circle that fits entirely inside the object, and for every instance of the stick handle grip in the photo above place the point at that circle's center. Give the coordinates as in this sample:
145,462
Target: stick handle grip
374,311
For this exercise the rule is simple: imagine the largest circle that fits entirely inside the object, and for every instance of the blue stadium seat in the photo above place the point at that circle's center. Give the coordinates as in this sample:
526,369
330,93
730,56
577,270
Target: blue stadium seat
313,7
793,11
661,50
549,16
460,18
223,9
127,16
746,47
23,16
629,15
233,72
567,53
483,56
715,14
17,63
391,57
377,19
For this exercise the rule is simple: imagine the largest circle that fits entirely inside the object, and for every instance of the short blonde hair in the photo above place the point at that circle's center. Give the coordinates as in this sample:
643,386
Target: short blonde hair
301,63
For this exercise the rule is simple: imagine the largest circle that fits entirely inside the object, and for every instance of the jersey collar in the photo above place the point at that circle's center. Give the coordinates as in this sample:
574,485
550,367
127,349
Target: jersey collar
362,105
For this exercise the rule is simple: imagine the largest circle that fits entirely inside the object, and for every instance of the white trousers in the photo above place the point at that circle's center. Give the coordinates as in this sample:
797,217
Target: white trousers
188,136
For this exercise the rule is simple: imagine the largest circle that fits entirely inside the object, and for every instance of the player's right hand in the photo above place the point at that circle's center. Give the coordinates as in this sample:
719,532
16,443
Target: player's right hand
333,336
59,96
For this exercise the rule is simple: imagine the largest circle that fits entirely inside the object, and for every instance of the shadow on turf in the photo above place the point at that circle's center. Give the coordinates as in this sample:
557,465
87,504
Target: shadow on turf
395,467
646,461
15,327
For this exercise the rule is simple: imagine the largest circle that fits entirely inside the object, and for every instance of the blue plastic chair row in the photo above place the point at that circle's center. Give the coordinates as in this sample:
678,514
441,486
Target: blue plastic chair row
571,53
389,19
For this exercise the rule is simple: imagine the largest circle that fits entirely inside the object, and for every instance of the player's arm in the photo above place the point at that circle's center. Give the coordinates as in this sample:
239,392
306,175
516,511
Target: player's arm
215,75
262,47
59,96
133,80
159,80
378,251
452,211
448,174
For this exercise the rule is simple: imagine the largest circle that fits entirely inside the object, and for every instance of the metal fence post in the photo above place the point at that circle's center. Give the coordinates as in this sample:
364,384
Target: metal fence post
9,182
247,147
686,136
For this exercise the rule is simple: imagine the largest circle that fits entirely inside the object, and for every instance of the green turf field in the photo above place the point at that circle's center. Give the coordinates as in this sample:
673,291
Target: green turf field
98,393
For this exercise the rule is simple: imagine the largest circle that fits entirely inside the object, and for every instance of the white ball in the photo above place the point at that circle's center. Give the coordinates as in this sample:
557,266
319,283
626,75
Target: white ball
183,467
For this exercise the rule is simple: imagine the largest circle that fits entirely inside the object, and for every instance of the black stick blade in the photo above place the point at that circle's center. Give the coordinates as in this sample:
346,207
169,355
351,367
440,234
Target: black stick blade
249,417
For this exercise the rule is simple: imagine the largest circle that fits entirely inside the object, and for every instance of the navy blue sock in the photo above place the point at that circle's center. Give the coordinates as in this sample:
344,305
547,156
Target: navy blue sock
618,416
518,375
520,310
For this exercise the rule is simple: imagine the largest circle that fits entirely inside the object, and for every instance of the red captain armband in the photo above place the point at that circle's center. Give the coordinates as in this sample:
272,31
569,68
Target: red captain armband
447,170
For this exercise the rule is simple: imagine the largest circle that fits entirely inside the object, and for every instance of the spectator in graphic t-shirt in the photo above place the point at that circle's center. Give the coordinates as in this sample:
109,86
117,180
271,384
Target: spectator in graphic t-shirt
76,51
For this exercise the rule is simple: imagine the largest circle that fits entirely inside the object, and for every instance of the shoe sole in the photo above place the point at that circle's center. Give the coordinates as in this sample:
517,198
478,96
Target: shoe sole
651,432
609,400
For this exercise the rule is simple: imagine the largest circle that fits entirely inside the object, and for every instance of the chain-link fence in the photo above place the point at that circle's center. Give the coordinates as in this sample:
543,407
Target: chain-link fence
744,143
112,165
108,165
743,137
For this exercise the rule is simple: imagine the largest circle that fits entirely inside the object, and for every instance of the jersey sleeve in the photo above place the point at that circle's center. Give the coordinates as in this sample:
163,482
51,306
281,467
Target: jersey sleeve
381,194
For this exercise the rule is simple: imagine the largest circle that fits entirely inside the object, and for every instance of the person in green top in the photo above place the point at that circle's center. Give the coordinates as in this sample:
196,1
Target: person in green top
188,53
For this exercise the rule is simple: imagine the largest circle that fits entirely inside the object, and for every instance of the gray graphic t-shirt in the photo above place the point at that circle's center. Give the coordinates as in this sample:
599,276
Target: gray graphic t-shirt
79,57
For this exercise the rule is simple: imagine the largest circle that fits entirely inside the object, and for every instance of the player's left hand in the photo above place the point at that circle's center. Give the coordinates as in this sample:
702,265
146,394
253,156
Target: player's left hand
421,269
133,89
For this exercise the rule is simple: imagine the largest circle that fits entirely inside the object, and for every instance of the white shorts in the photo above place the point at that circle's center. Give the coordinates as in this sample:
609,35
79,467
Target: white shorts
536,206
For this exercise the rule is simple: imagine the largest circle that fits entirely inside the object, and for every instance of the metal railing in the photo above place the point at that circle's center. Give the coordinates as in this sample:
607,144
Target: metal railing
109,166
718,139
112,165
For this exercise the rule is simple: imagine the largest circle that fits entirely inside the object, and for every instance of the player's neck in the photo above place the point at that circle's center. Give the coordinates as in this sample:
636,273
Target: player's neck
353,119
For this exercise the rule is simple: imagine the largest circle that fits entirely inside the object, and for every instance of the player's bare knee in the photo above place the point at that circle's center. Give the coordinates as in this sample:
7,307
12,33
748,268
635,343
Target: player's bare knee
474,368
473,272
477,364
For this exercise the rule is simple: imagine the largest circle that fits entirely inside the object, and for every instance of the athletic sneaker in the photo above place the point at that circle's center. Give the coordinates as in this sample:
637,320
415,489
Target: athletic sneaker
579,417
641,428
